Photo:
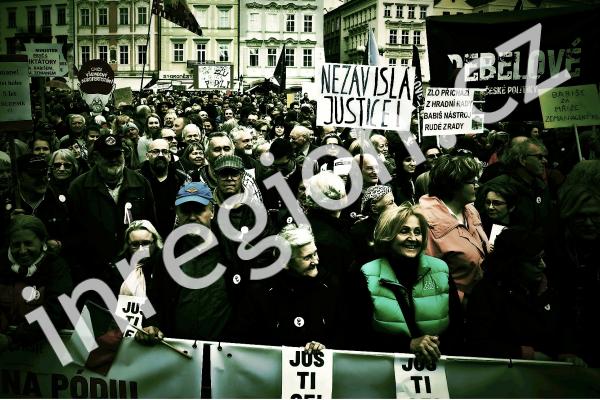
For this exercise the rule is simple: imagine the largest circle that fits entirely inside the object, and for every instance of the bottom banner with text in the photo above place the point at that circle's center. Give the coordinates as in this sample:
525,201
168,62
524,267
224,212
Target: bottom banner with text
245,371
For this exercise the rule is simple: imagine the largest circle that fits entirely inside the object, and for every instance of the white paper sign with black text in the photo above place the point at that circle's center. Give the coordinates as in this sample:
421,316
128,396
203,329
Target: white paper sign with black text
130,308
306,375
416,380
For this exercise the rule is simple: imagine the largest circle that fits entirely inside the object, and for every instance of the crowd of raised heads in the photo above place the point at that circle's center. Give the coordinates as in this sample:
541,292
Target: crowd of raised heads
486,249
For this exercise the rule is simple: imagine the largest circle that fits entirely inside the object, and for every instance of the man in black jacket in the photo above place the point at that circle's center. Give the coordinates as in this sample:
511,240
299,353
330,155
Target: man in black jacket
165,180
101,203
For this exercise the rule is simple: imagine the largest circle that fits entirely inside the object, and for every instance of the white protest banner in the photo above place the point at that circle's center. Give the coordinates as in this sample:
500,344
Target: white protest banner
130,308
306,375
417,380
449,111
137,372
44,59
571,106
213,76
370,97
15,101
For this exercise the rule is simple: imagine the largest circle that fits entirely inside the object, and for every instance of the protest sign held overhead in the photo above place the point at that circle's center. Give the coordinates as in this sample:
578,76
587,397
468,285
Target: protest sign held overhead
570,106
364,96
451,112
15,103
96,82
213,77
568,41
44,59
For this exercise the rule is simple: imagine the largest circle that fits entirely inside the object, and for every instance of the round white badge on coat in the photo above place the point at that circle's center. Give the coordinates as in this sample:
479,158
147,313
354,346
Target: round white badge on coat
62,198
237,279
299,322
30,293
289,220
538,200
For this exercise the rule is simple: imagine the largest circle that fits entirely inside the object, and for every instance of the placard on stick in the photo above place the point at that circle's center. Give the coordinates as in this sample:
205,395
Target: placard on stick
362,96
570,106
130,308
44,59
449,111
15,101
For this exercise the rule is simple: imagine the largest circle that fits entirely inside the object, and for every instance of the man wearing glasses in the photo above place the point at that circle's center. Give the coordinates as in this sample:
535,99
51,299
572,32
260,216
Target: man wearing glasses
526,167
165,180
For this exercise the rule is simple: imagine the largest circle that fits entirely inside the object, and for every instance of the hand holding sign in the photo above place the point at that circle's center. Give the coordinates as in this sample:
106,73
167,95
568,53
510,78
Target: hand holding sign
426,347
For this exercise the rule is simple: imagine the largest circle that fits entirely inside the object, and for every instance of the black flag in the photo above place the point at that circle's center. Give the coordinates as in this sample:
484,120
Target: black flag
418,98
178,12
279,75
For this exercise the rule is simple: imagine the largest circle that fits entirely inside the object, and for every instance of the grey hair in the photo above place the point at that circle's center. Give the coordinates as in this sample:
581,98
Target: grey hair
513,156
67,155
304,131
328,183
236,133
297,236
189,127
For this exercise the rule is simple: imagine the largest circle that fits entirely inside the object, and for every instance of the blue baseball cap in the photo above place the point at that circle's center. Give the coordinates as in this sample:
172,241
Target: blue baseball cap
198,192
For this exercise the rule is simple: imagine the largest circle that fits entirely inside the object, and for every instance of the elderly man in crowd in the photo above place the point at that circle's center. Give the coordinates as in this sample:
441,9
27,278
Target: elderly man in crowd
101,203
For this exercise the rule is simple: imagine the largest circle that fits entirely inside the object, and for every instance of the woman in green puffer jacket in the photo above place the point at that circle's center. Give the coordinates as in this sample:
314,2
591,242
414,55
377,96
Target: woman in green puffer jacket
409,301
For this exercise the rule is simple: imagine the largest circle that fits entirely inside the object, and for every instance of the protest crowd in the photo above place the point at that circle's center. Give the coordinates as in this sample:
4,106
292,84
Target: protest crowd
408,267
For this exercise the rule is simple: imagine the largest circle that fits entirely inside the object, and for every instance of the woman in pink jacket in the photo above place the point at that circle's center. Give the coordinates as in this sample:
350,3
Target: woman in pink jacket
455,231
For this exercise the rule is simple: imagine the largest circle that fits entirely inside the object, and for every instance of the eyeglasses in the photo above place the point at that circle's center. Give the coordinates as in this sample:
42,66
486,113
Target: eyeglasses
583,218
495,203
66,165
156,152
169,138
229,173
140,243
538,156
433,156
310,257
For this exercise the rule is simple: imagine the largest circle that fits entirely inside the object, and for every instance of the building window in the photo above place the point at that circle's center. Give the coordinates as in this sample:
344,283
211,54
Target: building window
391,61
271,57
85,16
423,11
253,57
417,37
85,54
448,12
393,36
103,16
31,20
289,57
404,62
46,16
124,55
308,23
399,11
411,12
177,52
123,16
254,21
404,37
103,53
201,52
61,15
223,52
201,13
307,57
12,18
387,11
142,52
290,23
142,13
272,23
223,18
